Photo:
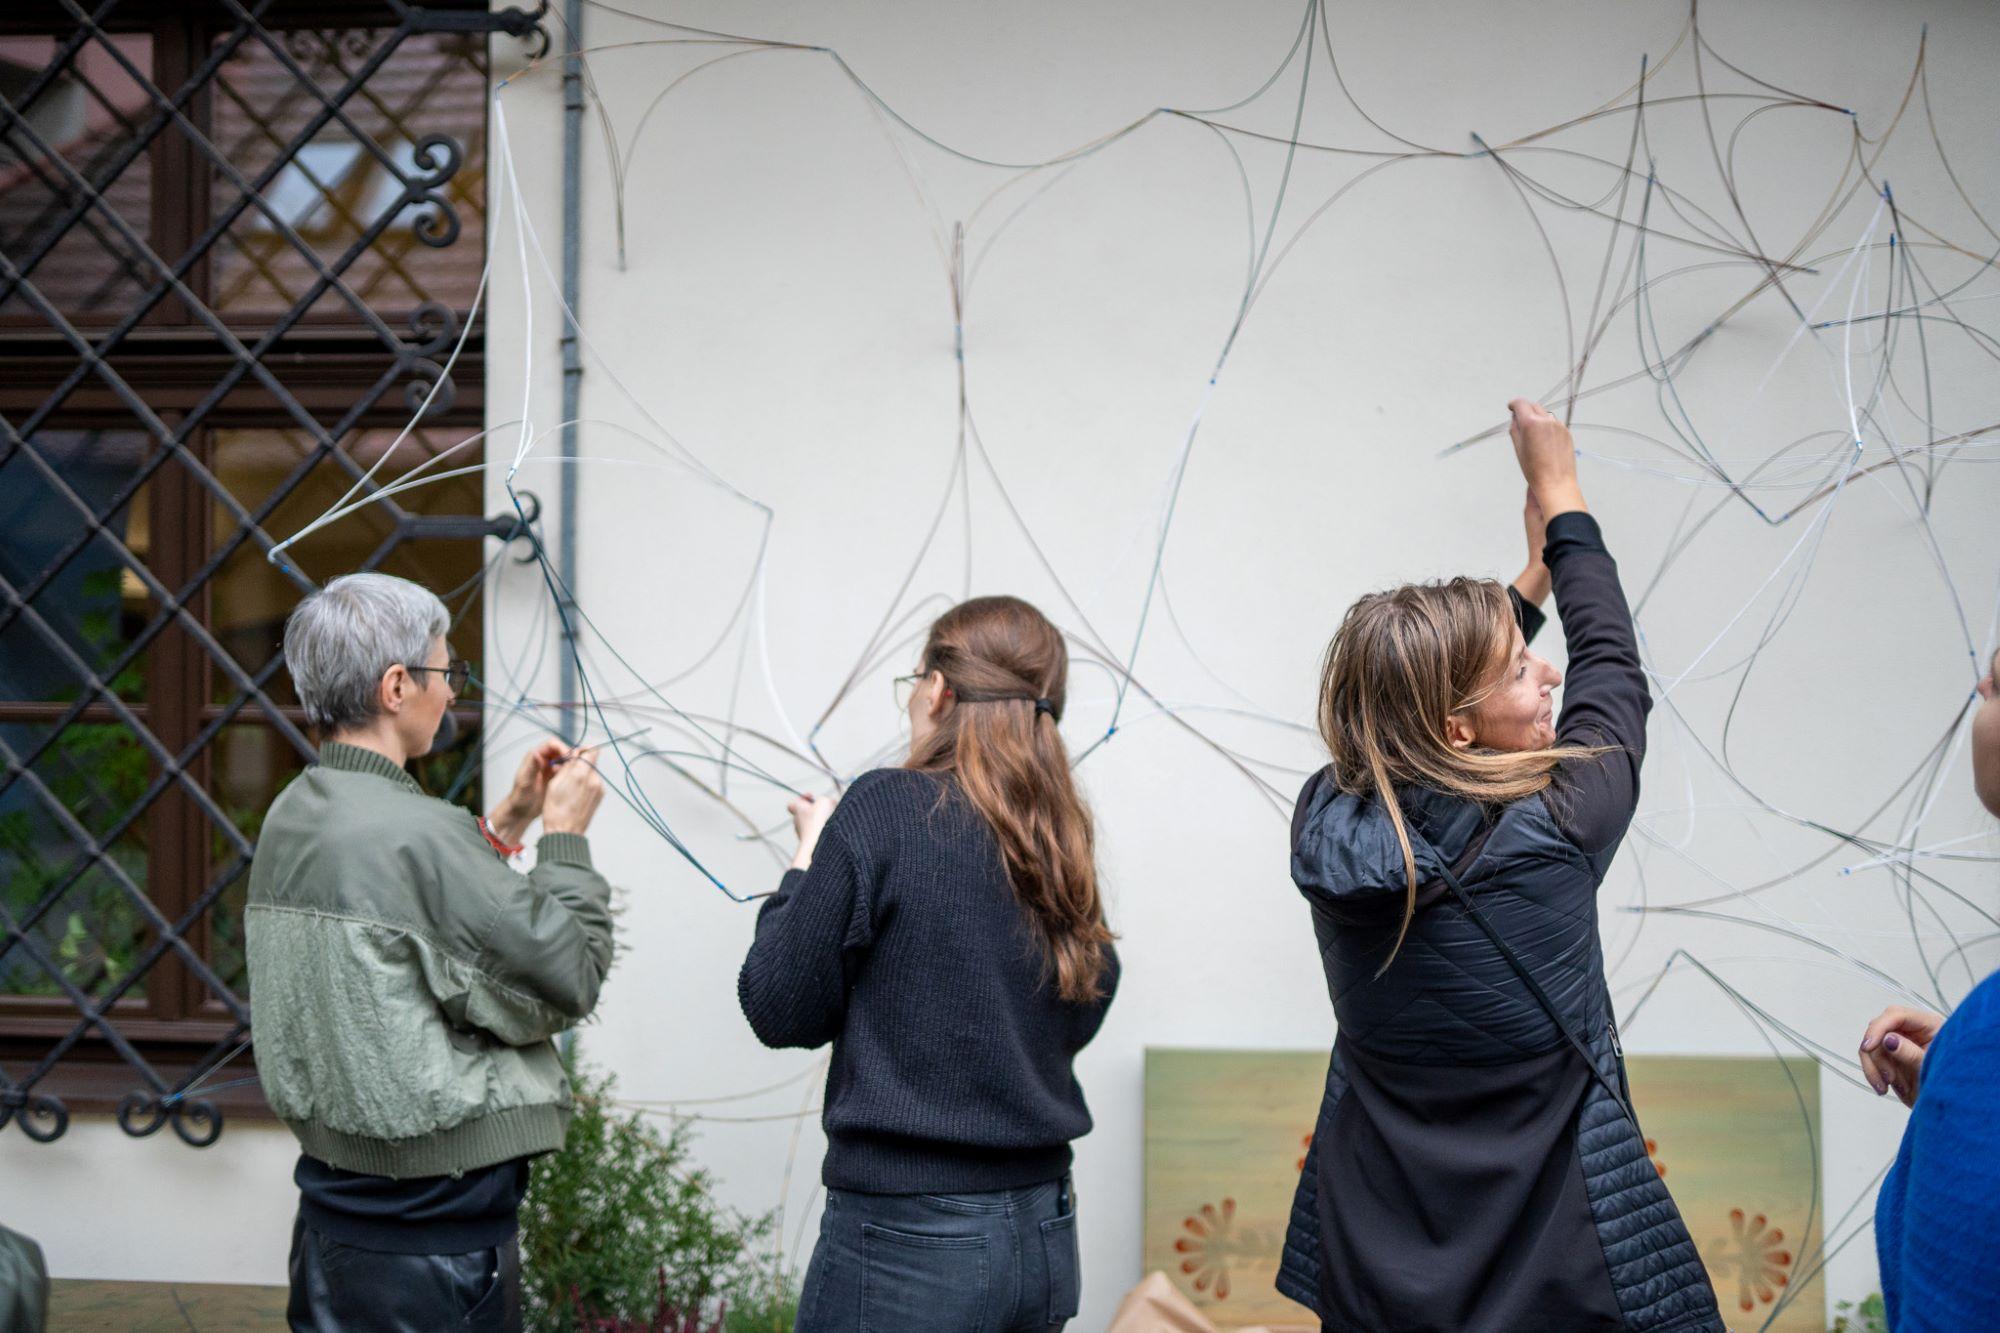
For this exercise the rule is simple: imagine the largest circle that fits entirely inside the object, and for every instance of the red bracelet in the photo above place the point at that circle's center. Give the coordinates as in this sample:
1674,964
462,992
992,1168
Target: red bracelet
505,849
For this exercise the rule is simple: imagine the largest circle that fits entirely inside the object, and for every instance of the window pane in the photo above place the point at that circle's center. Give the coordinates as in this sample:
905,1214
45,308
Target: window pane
93,605
248,766
249,597
453,773
81,122
91,930
348,177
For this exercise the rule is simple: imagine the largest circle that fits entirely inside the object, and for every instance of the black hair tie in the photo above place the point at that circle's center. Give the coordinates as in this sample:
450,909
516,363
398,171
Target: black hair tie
1041,705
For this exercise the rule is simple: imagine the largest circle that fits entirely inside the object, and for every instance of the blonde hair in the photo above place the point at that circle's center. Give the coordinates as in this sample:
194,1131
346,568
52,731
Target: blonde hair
1401,663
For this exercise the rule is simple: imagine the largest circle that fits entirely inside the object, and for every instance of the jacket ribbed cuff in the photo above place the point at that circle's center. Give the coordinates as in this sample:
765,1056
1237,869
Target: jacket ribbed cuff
501,1136
572,849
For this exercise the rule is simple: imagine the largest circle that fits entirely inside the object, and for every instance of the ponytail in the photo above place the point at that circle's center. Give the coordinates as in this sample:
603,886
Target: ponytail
1008,668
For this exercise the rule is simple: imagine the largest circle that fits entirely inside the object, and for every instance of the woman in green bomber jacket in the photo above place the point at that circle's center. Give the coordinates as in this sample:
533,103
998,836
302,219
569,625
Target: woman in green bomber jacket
407,981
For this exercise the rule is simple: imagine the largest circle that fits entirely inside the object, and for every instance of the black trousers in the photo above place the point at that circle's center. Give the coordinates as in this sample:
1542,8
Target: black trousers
340,1289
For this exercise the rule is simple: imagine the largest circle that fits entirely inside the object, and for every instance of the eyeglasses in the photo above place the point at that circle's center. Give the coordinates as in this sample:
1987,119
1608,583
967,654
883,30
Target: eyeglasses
457,675
906,689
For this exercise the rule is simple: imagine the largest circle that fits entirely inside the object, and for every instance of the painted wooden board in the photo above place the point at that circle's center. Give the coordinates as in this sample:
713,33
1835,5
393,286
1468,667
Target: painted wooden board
1226,1133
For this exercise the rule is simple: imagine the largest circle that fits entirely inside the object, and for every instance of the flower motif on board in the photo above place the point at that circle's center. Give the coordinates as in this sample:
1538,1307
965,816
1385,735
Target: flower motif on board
1208,1246
1754,1255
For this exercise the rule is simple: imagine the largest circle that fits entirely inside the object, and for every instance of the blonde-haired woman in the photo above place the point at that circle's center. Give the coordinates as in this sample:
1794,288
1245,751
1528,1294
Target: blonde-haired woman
1476,1165
942,928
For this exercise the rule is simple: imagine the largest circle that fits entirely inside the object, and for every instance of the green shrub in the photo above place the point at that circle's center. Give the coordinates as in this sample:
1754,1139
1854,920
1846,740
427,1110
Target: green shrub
620,1231
1867,1317
769,1305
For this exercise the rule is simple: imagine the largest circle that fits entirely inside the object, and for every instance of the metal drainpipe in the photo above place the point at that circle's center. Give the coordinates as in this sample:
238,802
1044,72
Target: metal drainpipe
570,715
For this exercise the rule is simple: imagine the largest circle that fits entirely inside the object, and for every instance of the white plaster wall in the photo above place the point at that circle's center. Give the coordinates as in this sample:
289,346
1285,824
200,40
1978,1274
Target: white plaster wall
783,310
105,1205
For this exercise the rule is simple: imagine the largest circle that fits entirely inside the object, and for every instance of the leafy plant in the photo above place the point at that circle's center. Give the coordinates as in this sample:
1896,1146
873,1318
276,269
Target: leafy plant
1867,1317
97,771
666,1318
620,1231
768,1305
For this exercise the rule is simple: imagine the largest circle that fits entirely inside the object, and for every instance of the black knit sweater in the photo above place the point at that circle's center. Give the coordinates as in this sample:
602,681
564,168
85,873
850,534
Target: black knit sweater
905,946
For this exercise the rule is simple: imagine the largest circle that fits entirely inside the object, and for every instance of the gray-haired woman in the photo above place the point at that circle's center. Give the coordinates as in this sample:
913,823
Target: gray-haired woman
408,980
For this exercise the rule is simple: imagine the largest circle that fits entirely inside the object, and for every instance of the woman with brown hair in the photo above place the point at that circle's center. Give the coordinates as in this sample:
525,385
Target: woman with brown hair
942,928
1476,1164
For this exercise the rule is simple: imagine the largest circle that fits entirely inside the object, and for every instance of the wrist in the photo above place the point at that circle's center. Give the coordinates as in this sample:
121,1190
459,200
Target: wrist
508,822
507,842
1560,497
802,859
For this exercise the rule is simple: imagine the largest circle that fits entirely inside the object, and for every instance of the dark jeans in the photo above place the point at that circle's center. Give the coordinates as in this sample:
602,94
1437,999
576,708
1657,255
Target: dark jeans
943,1263
337,1288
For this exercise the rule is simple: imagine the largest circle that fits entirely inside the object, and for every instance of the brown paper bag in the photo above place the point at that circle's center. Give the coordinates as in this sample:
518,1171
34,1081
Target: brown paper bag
1157,1306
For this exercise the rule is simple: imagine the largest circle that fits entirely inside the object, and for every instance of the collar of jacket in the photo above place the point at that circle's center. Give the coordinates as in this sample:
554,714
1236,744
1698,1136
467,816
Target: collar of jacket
346,758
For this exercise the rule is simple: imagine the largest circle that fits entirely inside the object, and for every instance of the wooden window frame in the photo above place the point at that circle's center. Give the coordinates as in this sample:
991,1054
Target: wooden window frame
172,360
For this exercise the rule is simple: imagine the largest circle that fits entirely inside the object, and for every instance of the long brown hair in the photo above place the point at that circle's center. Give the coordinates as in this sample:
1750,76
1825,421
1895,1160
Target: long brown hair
1008,670
1402,662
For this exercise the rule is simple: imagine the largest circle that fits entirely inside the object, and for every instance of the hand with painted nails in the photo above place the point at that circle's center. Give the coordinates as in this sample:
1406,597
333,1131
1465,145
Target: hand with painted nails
1892,1050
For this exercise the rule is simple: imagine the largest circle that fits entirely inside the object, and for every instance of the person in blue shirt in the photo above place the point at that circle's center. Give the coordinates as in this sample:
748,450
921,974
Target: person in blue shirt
1937,1218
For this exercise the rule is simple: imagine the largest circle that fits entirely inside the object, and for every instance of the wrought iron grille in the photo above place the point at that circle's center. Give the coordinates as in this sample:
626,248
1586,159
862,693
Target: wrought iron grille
237,241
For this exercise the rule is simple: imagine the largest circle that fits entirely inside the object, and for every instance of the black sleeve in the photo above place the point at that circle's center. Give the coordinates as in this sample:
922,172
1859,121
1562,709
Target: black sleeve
810,934
1605,700
1526,614
1085,1019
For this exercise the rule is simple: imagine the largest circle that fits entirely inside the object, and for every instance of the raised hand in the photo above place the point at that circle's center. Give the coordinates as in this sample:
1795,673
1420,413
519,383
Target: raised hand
523,801
1892,1050
809,815
573,795
1547,455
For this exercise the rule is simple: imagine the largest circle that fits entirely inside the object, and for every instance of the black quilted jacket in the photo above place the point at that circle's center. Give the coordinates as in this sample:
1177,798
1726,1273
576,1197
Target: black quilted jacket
1469,1171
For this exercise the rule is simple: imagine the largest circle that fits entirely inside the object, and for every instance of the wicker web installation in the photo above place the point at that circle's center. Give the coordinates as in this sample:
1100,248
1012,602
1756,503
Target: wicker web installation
1665,273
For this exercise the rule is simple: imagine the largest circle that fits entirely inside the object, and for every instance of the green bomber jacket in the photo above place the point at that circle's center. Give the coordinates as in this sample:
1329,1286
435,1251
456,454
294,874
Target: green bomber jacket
405,981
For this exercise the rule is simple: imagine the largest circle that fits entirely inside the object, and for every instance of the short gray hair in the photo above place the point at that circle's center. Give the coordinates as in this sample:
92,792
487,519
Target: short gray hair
340,640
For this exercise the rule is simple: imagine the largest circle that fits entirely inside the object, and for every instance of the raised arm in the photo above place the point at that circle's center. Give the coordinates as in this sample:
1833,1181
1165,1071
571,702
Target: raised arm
544,957
793,986
545,943
1527,615
1605,699
1530,587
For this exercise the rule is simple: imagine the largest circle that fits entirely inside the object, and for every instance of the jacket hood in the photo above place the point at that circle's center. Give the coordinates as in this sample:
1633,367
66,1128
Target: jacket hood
1344,846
